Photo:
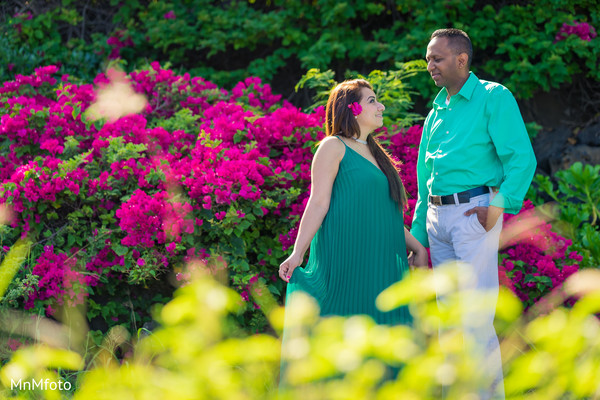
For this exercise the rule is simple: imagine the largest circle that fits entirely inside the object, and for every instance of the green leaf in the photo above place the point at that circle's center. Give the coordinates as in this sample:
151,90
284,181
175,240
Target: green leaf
76,111
119,249
545,280
72,239
273,289
98,124
189,239
239,136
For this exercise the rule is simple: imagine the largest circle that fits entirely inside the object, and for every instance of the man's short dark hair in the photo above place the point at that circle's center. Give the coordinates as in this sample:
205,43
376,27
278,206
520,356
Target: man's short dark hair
458,40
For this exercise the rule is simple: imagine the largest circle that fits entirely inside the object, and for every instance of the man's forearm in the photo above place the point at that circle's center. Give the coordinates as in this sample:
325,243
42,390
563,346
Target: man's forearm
492,217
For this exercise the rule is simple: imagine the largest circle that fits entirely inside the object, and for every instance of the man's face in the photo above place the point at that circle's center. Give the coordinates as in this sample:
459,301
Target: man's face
442,63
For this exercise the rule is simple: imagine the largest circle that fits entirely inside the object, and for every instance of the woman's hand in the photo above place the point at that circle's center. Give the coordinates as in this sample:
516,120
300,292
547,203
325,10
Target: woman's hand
286,269
325,166
418,253
418,258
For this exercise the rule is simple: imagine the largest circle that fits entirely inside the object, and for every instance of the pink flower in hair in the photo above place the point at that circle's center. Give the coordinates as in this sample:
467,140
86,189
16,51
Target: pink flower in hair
356,108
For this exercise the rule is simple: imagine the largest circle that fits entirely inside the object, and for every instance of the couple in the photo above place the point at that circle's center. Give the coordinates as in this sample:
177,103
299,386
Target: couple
475,162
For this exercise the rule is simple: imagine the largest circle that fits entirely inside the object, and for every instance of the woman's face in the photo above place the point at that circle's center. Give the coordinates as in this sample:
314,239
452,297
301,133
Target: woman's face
371,116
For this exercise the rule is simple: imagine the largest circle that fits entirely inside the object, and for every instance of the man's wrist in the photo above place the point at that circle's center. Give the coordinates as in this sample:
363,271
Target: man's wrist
496,209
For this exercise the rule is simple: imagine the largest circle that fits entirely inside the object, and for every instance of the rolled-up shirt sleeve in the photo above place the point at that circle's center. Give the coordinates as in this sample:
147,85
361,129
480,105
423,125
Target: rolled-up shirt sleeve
419,227
513,146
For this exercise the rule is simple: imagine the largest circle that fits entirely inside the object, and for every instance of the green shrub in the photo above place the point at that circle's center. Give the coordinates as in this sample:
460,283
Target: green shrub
202,355
28,41
389,86
577,197
523,45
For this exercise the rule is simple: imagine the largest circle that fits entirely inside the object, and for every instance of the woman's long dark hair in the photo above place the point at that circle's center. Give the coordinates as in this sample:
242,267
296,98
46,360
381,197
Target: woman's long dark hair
339,120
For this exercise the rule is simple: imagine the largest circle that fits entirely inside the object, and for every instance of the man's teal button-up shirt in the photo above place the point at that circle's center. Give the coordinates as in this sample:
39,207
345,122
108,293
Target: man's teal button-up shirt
478,139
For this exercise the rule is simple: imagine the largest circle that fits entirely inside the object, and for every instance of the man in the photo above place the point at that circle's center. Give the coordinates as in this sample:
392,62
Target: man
475,162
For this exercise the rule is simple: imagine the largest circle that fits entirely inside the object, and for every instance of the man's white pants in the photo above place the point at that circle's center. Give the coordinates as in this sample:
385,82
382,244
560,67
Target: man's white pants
456,237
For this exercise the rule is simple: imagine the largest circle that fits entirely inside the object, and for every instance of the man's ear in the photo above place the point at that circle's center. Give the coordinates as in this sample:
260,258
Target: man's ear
463,60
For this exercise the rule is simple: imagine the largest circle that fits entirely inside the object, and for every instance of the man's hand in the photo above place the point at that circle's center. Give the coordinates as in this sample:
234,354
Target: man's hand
487,216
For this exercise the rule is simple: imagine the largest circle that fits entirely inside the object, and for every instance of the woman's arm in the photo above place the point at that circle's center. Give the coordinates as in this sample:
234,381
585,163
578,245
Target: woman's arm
419,256
324,169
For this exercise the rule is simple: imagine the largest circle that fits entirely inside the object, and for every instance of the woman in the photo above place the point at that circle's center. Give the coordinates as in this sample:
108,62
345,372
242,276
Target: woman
353,216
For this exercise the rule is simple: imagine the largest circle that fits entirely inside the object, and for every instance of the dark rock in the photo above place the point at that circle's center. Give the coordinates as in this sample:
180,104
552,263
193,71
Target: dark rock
148,328
549,146
590,135
583,153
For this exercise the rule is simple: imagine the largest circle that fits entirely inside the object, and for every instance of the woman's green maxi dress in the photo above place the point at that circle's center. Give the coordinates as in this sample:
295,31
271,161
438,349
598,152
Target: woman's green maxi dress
360,249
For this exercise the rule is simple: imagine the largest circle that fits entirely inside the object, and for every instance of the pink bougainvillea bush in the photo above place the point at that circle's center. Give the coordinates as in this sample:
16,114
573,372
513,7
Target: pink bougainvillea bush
116,210
538,261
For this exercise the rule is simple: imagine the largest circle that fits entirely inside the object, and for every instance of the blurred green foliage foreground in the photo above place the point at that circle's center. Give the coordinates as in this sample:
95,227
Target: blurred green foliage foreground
197,352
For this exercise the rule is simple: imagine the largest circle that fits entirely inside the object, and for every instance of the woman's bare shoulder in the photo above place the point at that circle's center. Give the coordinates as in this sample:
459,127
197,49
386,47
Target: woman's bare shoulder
332,147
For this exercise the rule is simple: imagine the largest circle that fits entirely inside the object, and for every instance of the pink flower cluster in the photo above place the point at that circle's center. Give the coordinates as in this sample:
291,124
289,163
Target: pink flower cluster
34,183
255,93
404,145
117,42
101,262
582,29
167,91
13,344
27,15
150,220
58,280
539,253
40,76
246,293
36,119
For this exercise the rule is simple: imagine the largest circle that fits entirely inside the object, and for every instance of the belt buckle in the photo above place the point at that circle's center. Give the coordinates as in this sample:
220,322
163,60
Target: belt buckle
463,197
435,200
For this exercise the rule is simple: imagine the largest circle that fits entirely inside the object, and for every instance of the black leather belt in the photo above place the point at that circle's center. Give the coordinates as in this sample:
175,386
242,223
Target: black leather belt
463,197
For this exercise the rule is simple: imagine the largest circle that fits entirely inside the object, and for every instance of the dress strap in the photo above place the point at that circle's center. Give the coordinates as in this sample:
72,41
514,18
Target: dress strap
337,136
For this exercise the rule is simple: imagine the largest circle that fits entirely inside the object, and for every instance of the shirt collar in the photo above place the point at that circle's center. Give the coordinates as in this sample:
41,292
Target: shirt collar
466,91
